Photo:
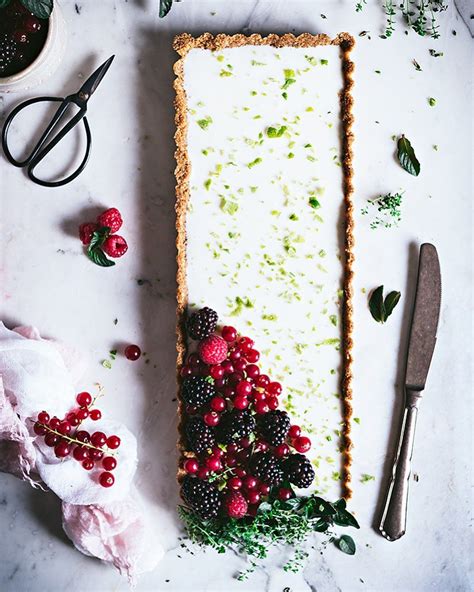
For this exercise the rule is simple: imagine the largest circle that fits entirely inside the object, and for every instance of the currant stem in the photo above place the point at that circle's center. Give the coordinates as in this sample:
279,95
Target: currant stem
72,440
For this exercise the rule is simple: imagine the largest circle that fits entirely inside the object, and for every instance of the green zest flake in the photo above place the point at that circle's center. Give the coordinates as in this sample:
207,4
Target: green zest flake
255,63
289,78
228,207
324,62
107,364
254,93
204,123
284,95
276,132
220,58
432,102
258,160
314,203
311,59
322,253
333,319
331,341
293,217
241,303
357,420
269,317
207,184
205,152
336,476
365,478
290,155
253,189
225,74
309,109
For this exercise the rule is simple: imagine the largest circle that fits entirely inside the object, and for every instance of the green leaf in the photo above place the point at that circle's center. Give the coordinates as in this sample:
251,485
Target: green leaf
165,7
98,256
345,518
40,8
376,305
407,157
4,3
273,132
391,302
346,544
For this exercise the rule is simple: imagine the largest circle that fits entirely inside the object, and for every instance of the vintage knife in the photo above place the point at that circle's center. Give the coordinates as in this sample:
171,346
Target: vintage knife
420,351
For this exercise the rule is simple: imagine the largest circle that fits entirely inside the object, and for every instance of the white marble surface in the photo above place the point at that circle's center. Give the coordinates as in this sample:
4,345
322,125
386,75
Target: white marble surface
46,280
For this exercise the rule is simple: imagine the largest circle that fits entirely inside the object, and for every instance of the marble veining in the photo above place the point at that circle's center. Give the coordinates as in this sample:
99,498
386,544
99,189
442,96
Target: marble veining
45,279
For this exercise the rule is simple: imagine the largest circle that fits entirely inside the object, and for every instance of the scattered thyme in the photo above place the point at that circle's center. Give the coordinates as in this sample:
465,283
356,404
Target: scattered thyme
432,102
388,207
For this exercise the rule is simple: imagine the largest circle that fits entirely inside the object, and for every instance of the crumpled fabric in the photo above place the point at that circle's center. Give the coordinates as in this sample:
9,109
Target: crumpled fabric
116,533
107,523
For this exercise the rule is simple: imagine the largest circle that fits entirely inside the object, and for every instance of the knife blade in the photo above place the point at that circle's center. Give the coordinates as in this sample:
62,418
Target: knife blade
422,341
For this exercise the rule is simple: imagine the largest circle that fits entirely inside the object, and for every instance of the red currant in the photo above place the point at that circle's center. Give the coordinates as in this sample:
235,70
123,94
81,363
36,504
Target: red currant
80,453
51,439
250,482
83,436
216,371
95,414
264,489
211,419
219,383
186,371
240,365
253,496
263,381
294,431
274,388
84,399
302,444
258,395
216,451
39,429
272,403
230,459
54,423
113,442
43,417
203,473
228,392
234,483
64,427
132,352
228,367
73,419
235,355
95,454
246,343
229,333
282,450
244,387
241,402
261,407
260,446
240,472
253,371
285,494
252,355
232,447
235,378
98,439
213,463
32,24
106,479
191,466
245,442
88,464
62,449
82,414
109,463
218,404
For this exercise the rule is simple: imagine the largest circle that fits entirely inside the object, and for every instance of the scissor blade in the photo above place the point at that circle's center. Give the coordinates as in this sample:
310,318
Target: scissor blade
91,84
425,319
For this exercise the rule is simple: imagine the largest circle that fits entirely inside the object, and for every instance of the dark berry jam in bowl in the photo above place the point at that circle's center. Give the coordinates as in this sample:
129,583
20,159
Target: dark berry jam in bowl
22,38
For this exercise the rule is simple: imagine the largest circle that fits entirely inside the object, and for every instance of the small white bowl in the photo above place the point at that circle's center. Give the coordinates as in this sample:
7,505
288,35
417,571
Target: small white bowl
47,61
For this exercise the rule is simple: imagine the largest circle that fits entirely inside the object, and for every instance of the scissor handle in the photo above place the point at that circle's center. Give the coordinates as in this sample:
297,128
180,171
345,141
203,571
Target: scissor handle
42,147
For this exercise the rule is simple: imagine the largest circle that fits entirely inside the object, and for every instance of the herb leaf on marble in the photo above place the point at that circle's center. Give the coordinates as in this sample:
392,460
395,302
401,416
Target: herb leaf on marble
381,308
346,544
165,7
407,157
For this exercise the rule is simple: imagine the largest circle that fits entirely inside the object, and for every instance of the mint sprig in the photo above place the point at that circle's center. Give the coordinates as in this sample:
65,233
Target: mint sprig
381,309
94,250
165,7
40,8
407,157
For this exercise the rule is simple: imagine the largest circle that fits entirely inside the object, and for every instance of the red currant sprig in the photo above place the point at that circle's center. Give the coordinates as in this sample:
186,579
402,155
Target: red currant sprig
67,439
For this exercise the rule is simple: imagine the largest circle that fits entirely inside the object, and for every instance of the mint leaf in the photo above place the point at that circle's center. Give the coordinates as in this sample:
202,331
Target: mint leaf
4,3
407,157
40,8
165,7
376,305
346,544
391,302
98,257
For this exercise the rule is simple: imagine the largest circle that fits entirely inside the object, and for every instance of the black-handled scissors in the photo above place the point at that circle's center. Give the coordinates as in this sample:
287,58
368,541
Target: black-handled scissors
49,140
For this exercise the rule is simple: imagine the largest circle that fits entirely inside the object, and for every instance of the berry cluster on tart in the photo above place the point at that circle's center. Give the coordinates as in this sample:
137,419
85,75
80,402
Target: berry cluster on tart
241,449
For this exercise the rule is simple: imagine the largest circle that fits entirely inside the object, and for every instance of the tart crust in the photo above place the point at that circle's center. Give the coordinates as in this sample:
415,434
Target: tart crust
184,43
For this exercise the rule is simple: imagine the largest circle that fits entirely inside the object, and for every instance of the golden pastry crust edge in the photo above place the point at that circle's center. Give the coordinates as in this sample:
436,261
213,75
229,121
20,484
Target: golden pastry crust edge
183,43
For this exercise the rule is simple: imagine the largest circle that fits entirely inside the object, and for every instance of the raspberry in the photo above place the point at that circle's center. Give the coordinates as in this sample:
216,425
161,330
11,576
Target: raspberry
86,231
115,246
213,350
202,323
112,219
235,504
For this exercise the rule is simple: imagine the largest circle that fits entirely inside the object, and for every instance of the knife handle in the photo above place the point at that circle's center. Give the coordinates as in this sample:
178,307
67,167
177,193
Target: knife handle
393,524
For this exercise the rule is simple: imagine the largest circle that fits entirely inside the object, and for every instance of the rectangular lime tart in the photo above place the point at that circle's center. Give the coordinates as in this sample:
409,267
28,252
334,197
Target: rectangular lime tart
265,264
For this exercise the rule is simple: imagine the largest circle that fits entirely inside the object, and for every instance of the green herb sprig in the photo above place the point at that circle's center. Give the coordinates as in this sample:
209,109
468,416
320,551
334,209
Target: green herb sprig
275,524
40,8
407,157
381,309
165,7
389,210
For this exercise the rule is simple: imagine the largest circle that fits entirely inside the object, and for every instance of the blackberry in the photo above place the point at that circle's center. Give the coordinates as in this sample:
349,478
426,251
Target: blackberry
274,427
202,323
8,49
197,391
200,436
298,470
201,496
235,425
267,468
